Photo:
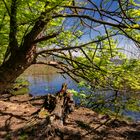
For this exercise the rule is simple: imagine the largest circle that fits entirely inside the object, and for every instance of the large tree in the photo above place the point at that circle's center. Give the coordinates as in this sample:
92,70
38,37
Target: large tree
33,28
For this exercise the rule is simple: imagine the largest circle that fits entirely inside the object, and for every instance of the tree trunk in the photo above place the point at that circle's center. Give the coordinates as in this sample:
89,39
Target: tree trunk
20,57
17,63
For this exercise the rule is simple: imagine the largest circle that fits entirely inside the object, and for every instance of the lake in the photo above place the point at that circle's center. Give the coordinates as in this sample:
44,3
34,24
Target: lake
46,79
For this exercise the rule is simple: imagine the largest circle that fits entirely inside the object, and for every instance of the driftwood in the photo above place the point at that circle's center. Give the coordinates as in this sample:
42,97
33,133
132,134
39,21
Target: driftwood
58,106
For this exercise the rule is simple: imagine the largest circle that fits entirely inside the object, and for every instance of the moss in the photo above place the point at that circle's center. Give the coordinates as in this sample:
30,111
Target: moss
20,91
20,87
20,82
8,137
43,113
23,137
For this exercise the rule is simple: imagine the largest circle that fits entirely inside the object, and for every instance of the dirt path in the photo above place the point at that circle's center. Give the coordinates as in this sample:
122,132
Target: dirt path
17,123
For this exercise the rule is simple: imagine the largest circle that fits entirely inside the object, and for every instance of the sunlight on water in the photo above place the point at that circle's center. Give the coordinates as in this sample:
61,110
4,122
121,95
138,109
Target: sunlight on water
44,80
44,84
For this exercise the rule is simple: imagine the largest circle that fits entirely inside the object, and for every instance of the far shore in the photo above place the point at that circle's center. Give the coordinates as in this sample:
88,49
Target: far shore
40,69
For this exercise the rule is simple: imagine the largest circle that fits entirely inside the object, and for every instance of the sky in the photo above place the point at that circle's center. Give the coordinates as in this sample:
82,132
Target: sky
90,34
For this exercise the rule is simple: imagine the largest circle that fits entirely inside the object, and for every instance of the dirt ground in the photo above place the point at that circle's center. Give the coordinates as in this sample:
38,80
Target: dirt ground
18,123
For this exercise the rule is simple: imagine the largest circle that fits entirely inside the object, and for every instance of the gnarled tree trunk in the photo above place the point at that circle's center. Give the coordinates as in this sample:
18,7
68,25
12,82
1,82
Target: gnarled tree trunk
58,106
17,63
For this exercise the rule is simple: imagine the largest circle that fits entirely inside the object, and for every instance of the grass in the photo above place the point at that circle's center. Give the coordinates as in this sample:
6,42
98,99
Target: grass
21,91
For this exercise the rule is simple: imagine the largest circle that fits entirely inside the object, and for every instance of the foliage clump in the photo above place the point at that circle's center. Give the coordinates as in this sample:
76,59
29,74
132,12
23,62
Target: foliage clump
111,82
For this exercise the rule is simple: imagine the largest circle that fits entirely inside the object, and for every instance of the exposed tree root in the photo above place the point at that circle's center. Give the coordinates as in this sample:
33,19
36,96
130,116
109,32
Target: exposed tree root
56,109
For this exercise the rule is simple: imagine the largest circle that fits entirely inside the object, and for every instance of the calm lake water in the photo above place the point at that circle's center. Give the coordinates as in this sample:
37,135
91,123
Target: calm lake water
45,79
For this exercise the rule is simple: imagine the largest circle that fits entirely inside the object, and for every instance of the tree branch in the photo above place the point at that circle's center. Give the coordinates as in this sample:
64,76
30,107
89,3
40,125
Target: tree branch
39,25
8,11
13,44
75,47
123,12
44,38
94,20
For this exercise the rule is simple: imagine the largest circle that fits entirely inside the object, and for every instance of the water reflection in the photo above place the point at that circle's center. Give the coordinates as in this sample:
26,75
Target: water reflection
45,79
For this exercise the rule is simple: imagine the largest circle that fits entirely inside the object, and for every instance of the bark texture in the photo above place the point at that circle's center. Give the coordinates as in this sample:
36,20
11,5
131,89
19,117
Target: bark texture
58,106
17,63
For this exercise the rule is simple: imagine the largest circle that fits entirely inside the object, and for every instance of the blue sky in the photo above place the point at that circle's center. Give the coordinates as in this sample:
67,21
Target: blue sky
91,34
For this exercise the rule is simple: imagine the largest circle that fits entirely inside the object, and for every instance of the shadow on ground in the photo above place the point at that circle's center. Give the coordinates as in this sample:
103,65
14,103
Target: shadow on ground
17,122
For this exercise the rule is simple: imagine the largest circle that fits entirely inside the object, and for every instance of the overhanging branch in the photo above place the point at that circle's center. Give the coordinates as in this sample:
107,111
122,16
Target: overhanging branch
95,20
75,47
44,38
